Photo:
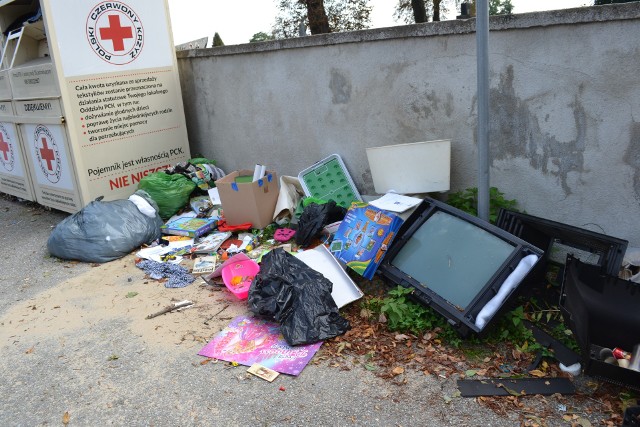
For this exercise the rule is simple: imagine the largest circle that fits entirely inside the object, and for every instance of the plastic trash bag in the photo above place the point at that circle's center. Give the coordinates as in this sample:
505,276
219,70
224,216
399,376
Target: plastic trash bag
296,296
314,218
104,231
170,192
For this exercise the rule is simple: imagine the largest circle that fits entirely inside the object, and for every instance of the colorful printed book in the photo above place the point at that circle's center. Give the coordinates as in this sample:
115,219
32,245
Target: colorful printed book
210,243
364,236
186,226
248,340
205,264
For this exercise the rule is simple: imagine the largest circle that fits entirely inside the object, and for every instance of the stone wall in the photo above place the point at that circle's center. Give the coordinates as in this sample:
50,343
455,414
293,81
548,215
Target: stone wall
565,106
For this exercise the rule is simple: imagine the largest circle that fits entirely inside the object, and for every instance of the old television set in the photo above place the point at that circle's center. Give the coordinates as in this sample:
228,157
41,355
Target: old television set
457,264
559,240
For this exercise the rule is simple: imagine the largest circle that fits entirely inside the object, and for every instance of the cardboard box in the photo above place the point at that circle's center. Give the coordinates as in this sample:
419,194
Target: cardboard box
253,202
364,236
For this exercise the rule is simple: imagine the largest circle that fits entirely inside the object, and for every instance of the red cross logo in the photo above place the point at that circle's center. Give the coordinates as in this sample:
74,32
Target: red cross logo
4,147
116,33
47,154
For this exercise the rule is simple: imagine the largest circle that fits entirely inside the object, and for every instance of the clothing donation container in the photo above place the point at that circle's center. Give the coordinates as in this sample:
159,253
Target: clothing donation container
96,95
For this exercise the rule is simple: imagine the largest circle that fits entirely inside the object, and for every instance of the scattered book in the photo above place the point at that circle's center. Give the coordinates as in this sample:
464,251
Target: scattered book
192,227
205,265
210,243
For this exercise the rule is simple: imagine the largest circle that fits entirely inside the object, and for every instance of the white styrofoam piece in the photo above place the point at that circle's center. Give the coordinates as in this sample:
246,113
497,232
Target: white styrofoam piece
320,259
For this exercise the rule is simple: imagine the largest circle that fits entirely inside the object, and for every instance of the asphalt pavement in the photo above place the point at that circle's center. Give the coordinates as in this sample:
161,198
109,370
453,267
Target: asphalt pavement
103,369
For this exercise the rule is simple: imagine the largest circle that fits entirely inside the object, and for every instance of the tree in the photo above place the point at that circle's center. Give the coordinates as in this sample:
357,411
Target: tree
217,40
500,7
341,15
411,11
261,37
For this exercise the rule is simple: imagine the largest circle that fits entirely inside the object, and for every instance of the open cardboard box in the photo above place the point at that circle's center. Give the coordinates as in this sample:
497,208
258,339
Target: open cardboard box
244,202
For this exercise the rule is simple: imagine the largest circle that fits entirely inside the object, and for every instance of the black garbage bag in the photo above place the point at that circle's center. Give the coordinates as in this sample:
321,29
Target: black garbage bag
297,297
314,218
104,231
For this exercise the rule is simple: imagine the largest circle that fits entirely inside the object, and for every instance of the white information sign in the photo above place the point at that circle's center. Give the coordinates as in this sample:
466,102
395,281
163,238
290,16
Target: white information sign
111,35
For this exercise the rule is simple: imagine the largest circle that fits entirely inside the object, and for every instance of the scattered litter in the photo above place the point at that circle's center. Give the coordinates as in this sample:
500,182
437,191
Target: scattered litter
238,277
344,289
314,218
170,308
515,387
263,372
103,231
363,238
297,297
131,294
204,265
248,340
395,202
177,275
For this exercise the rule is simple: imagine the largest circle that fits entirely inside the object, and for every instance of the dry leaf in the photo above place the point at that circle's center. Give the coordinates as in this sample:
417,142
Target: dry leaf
30,350
398,370
66,418
537,373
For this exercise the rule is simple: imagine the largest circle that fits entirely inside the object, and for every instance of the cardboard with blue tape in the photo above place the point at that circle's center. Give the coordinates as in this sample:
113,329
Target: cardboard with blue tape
253,201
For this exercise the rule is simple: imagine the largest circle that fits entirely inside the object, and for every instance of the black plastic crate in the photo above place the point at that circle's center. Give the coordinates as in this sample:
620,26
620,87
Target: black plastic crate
433,265
603,311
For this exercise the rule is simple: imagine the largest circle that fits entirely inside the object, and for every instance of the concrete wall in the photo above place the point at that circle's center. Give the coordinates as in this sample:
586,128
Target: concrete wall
565,106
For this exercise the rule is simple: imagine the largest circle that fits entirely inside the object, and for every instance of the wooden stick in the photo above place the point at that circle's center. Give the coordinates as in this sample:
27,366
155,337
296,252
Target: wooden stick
170,308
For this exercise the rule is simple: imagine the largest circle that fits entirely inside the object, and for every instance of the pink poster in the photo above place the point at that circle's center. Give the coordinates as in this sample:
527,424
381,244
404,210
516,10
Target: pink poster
248,340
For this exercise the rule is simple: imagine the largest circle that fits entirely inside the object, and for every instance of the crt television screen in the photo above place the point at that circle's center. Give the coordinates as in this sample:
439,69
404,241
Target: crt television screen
452,257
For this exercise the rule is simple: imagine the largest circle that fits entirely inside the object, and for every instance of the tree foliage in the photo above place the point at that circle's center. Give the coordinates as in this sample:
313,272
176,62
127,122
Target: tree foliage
261,37
500,7
217,40
406,9
602,2
341,15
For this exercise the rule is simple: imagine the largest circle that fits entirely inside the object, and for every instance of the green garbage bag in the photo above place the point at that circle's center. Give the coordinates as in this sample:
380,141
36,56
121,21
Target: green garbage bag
170,192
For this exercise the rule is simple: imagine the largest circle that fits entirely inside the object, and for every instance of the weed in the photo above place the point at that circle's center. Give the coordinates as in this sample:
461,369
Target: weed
467,200
403,315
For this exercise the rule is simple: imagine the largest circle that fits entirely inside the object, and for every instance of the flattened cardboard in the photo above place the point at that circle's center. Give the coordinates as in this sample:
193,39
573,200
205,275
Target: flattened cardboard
253,202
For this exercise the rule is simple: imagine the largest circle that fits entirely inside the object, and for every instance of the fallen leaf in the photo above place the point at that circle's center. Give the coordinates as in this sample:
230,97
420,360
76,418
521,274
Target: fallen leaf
401,337
30,350
537,373
583,422
131,294
370,367
205,361
113,357
398,370
66,418
470,373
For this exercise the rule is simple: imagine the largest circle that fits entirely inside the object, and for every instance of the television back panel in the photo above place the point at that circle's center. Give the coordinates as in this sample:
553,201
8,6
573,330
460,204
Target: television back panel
464,243
559,240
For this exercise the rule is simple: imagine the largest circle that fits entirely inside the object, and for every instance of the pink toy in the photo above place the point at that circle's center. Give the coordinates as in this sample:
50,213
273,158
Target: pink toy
283,234
238,277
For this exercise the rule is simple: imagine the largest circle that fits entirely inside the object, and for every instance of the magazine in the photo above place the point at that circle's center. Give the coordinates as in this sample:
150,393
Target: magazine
210,243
